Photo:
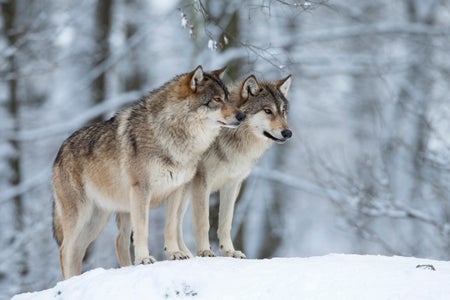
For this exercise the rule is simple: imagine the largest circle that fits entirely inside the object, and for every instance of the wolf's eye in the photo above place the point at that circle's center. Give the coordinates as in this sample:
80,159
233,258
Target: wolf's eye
267,111
217,99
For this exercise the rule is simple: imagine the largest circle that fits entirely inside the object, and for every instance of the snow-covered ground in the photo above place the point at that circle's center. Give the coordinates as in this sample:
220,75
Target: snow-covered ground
333,276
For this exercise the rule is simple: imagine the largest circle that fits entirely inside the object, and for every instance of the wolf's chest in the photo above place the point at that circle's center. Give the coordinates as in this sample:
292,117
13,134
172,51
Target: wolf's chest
169,177
225,172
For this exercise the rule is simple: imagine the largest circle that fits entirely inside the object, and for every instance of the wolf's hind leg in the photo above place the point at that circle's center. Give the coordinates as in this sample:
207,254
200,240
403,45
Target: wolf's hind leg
79,231
123,239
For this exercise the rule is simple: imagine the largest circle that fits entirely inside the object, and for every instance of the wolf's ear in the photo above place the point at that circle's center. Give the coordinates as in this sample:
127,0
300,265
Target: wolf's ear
219,73
197,76
250,87
284,84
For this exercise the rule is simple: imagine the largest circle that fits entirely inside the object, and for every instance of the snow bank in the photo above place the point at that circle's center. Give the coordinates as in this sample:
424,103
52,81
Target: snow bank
328,277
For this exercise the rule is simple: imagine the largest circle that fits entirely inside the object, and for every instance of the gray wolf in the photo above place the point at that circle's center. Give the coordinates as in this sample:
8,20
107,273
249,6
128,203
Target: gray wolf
230,158
134,160
225,165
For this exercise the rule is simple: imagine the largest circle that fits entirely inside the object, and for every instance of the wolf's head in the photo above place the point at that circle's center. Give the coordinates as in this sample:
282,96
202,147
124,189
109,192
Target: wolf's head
211,96
266,107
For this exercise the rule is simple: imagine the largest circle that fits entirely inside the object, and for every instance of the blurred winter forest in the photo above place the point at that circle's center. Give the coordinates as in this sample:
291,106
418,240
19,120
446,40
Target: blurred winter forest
368,169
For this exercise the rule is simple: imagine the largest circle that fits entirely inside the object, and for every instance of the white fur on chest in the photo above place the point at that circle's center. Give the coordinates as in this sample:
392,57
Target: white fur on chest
167,178
221,172
235,168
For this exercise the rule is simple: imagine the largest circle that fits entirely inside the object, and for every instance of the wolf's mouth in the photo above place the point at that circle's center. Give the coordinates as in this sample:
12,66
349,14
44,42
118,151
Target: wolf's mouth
279,141
233,125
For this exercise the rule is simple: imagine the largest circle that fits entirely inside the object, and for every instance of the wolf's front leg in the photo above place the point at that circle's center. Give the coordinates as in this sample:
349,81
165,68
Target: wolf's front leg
139,222
171,248
123,239
200,206
228,196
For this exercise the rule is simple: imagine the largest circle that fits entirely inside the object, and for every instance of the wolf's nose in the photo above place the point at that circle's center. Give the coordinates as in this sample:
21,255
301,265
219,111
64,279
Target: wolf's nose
286,133
240,116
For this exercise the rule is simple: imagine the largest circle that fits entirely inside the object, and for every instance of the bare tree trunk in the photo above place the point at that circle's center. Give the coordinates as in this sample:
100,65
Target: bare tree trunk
135,77
103,17
8,9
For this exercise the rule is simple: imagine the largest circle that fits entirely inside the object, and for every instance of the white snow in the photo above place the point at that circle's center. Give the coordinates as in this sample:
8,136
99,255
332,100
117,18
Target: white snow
334,276
212,44
184,20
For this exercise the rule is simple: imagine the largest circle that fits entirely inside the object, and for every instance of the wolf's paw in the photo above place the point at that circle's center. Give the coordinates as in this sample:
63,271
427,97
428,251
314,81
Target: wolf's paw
144,260
177,255
205,253
186,251
234,254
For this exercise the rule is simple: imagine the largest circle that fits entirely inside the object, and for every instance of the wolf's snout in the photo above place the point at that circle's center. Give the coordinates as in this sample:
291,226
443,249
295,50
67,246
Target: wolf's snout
240,116
286,133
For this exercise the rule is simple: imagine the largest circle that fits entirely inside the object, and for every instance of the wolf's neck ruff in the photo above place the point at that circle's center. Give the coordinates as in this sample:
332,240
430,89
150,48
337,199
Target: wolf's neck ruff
186,137
242,141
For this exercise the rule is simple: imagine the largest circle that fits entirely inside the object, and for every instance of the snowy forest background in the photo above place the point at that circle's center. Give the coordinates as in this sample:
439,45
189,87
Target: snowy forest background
368,169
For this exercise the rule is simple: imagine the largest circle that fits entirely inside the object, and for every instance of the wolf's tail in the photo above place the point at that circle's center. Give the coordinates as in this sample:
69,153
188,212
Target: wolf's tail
57,229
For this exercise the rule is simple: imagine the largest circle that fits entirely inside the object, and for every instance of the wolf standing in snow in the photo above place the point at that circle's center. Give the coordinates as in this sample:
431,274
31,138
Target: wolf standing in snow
224,166
135,160
229,160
